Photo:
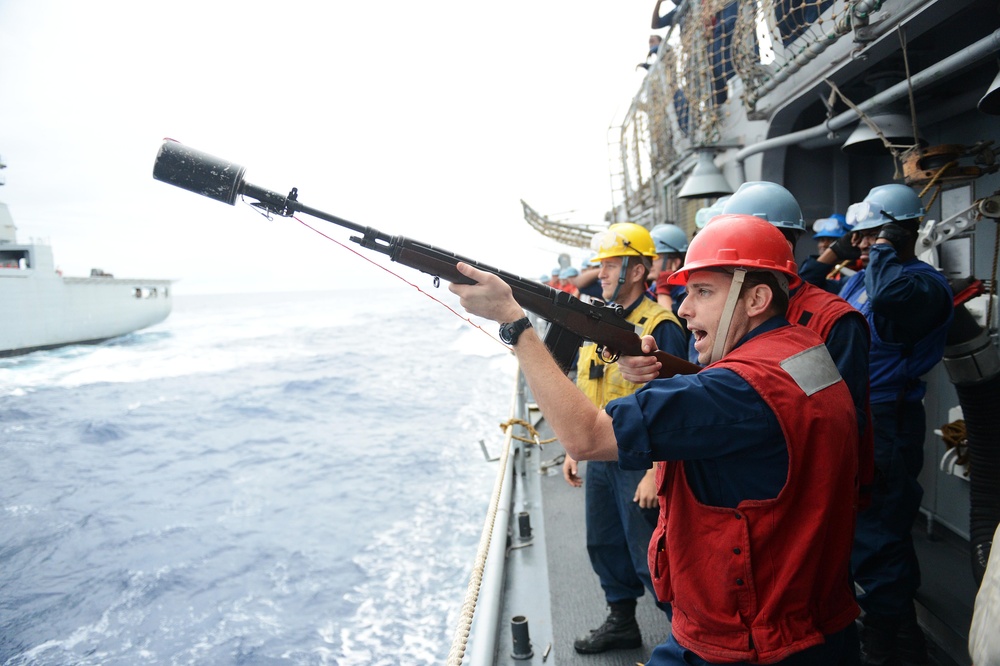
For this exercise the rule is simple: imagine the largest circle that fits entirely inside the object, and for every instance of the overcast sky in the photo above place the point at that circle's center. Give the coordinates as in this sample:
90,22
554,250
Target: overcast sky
426,119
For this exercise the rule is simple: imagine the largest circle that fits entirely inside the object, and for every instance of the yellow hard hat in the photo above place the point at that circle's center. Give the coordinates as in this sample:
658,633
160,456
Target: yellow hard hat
623,239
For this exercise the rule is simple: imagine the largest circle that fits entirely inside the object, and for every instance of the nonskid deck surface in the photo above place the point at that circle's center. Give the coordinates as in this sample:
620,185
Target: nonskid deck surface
946,595
577,599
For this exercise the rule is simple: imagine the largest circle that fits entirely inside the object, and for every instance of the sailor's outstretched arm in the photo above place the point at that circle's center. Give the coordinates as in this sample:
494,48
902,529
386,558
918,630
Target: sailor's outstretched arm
584,430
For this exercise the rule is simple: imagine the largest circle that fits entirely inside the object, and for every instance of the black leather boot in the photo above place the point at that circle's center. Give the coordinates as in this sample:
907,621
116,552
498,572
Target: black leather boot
911,644
619,632
878,640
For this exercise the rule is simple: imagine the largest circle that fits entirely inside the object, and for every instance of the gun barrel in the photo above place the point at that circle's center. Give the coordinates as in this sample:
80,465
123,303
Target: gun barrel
213,177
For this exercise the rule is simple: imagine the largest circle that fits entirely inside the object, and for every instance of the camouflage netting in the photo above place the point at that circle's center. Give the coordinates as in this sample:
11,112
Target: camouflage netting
781,36
683,101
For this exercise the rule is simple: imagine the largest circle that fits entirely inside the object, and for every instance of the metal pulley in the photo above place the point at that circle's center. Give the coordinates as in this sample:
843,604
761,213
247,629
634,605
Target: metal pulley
941,163
989,206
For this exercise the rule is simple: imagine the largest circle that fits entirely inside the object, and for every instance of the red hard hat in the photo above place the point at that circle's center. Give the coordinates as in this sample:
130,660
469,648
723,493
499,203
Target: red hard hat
738,241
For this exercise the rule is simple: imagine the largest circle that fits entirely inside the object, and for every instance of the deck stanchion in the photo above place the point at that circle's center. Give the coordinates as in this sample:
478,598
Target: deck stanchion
519,636
524,524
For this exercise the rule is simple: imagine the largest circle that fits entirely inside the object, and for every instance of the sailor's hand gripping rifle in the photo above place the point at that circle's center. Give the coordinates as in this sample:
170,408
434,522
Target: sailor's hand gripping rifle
570,319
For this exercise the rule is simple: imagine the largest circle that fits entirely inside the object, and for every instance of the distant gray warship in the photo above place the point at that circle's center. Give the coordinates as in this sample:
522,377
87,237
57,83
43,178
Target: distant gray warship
43,310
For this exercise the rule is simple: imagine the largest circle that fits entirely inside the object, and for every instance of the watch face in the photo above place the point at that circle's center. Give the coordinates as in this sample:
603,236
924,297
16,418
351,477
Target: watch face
510,332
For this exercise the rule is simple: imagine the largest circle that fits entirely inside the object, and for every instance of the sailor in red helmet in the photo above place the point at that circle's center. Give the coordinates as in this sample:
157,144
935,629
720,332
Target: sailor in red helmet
757,509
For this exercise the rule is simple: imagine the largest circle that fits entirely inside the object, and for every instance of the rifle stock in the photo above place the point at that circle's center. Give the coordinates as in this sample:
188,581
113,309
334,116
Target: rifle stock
217,179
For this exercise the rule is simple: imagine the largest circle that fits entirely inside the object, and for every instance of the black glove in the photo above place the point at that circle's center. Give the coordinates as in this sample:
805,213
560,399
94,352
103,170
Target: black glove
843,248
897,235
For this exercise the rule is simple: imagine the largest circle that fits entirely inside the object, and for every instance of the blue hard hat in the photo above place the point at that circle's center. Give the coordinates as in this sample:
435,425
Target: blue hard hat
894,202
568,272
669,239
703,215
834,226
768,201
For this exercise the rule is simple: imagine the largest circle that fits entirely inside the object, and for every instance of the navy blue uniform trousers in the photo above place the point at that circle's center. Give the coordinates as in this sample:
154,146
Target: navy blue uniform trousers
618,531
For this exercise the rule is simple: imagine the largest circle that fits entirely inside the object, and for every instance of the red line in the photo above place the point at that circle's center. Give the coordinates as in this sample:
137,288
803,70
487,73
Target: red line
400,277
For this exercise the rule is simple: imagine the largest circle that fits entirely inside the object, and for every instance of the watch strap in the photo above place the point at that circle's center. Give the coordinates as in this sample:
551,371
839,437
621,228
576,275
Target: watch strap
509,333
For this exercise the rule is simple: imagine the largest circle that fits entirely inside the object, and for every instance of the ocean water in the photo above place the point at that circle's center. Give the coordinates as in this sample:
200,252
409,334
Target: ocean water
260,479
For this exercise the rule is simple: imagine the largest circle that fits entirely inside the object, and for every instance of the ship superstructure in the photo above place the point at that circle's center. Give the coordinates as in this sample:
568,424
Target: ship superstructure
43,309
830,98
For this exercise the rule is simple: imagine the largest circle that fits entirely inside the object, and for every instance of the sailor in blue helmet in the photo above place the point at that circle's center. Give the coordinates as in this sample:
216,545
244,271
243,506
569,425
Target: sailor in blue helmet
831,232
768,201
844,331
554,277
909,307
703,215
671,245
566,283
829,229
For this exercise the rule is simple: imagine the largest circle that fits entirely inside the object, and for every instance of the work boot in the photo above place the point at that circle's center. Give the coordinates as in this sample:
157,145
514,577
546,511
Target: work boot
619,632
878,640
911,645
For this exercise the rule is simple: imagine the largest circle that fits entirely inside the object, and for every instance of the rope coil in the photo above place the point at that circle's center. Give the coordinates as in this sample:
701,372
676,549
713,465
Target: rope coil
531,431
954,436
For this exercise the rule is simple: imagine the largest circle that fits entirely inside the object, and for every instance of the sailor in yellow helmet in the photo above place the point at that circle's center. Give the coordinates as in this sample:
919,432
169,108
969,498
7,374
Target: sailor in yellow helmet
621,505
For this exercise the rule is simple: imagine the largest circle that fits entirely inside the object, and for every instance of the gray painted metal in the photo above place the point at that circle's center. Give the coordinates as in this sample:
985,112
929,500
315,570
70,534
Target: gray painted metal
42,309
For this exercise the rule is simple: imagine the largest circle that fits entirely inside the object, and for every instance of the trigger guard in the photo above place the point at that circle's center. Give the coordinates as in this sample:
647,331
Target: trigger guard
607,355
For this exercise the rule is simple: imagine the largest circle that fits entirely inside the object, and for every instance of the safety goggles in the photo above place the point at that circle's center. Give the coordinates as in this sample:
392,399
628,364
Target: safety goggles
828,225
866,212
606,241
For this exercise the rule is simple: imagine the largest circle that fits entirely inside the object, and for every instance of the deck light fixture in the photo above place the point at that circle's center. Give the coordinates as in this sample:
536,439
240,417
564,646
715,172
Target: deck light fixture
706,180
890,119
990,103
895,127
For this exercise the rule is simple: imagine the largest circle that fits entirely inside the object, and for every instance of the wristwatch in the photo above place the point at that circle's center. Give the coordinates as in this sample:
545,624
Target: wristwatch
509,333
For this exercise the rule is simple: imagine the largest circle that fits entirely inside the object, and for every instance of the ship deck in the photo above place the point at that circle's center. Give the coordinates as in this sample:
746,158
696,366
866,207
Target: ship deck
555,558
577,599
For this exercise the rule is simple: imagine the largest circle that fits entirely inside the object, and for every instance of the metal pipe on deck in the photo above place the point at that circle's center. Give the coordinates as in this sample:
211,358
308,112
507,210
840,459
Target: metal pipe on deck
977,51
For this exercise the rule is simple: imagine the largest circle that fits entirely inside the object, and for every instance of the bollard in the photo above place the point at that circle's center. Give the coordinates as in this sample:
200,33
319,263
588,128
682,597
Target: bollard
521,639
524,524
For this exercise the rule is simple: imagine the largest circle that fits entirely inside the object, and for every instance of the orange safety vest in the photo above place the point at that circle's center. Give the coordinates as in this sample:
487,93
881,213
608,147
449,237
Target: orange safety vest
769,578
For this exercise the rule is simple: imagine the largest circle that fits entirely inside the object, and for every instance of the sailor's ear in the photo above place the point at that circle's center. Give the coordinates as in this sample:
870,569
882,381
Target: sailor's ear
758,299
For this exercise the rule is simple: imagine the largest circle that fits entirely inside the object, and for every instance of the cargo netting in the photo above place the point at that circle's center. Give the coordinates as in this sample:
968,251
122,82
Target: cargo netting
687,94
